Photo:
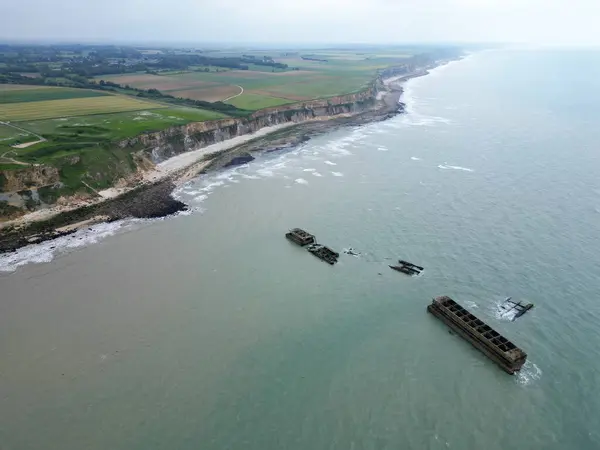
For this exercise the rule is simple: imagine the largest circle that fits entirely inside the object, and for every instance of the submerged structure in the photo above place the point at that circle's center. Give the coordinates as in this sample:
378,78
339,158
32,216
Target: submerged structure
300,237
324,253
495,346
304,238
407,268
517,308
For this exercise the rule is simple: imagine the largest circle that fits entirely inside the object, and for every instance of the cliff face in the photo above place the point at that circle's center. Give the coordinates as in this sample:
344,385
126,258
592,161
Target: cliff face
28,177
173,141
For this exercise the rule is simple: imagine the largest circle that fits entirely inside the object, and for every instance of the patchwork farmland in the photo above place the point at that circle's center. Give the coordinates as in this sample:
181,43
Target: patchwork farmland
330,74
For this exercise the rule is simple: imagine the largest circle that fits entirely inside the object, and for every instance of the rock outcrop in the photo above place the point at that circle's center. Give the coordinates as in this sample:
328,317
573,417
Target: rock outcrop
28,177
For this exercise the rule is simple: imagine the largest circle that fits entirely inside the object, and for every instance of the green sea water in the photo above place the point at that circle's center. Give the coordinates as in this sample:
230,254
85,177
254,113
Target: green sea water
212,331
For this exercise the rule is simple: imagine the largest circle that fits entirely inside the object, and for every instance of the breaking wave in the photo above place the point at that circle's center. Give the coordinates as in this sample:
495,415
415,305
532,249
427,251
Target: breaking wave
447,167
47,251
529,373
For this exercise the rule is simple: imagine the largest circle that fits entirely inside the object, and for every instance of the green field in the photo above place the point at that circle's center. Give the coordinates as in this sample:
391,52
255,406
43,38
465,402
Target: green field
7,133
45,93
49,109
256,101
117,126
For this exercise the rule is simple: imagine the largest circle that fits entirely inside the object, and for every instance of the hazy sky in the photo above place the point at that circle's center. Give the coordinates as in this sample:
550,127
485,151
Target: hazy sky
310,21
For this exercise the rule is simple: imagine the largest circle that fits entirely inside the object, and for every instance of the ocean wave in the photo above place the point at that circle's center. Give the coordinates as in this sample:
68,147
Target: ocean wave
47,251
337,174
309,170
528,374
414,158
382,149
330,163
265,172
301,181
447,167
316,174
471,304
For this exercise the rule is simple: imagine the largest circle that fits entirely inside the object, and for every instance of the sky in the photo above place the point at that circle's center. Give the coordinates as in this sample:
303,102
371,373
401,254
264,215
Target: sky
538,22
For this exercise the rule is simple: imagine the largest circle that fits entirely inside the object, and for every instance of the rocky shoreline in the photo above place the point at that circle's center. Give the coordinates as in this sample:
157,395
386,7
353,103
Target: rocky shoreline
154,199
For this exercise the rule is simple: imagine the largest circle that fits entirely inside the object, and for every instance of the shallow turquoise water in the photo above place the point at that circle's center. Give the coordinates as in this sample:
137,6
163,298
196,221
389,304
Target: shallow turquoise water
212,331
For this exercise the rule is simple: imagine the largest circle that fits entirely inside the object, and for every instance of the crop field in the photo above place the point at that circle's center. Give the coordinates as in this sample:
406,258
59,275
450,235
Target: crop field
209,94
45,93
17,87
49,109
182,84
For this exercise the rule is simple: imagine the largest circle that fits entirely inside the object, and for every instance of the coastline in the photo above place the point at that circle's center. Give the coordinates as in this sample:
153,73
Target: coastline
153,197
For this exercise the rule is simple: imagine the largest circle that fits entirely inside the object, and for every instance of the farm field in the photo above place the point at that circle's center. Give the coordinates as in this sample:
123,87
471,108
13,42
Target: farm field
48,109
23,94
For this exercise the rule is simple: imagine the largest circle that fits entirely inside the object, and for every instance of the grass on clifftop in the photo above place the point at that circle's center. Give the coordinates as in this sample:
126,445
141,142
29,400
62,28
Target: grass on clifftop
257,101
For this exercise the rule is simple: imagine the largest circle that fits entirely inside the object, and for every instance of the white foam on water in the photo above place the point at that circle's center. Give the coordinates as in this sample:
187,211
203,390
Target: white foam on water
301,181
447,167
471,304
309,170
414,158
382,149
210,186
265,173
250,177
330,163
316,174
337,174
339,146
47,251
528,374
338,149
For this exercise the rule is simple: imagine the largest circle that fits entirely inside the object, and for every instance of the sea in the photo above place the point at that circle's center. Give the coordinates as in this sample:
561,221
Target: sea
209,330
